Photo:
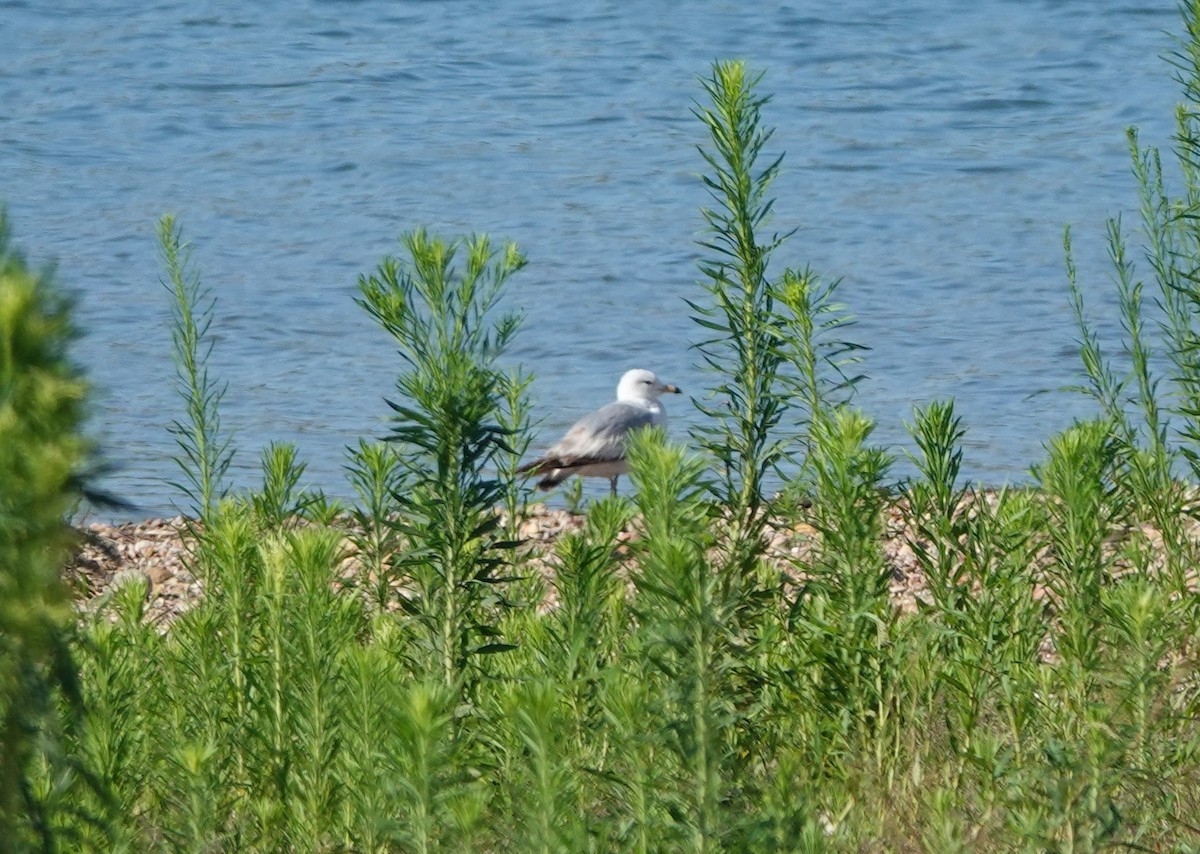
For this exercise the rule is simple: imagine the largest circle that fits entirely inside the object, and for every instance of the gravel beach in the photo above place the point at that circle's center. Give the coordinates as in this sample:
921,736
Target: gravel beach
155,551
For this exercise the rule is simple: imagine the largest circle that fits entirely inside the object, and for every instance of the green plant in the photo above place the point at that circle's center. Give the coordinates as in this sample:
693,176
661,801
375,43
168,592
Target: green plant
638,771
438,800
544,776
820,359
1083,507
448,435
44,457
584,633
280,502
683,612
206,452
573,496
514,419
1151,393
374,473
744,349
771,341
119,666
843,614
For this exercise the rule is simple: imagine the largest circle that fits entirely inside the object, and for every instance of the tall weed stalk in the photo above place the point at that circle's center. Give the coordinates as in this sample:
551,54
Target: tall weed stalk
824,364
449,438
744,349
1152,394
773,343
584,635
206,451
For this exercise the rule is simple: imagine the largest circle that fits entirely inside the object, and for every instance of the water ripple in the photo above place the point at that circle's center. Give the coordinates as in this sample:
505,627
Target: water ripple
935,152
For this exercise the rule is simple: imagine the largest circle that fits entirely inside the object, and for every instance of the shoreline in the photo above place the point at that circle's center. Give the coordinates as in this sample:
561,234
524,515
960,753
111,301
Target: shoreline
154,552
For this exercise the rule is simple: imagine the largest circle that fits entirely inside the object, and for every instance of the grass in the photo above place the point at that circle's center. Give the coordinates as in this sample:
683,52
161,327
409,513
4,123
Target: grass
680,690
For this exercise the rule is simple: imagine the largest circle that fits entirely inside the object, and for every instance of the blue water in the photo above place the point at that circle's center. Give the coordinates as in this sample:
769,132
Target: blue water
934,153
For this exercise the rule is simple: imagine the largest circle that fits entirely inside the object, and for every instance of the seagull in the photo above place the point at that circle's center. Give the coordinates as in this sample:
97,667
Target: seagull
595,446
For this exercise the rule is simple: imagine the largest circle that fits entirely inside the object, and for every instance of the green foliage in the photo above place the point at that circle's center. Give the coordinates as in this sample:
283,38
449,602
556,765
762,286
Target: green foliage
584,635
280,501
375,475
844,612
515,422
43,458
661,682
975,552
1150,391
454,423
771,342
744,347
545,777
683,610
206,452
813,323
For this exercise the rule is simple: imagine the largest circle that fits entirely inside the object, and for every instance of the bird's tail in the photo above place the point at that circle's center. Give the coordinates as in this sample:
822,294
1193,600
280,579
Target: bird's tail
535,466
553,474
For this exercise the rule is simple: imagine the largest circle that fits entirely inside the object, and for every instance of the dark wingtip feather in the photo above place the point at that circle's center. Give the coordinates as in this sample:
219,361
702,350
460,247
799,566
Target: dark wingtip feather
550,481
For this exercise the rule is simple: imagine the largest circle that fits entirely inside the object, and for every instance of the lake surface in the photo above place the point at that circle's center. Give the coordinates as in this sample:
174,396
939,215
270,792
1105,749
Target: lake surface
934,153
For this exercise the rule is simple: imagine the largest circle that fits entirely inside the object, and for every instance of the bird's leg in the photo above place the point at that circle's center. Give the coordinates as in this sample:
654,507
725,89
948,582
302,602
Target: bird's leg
612,481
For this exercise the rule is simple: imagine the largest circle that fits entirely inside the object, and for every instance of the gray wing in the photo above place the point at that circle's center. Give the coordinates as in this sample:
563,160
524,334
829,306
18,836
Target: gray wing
601,435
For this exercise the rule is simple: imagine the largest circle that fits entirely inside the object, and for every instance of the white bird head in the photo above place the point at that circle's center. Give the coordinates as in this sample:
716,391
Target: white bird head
642,385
